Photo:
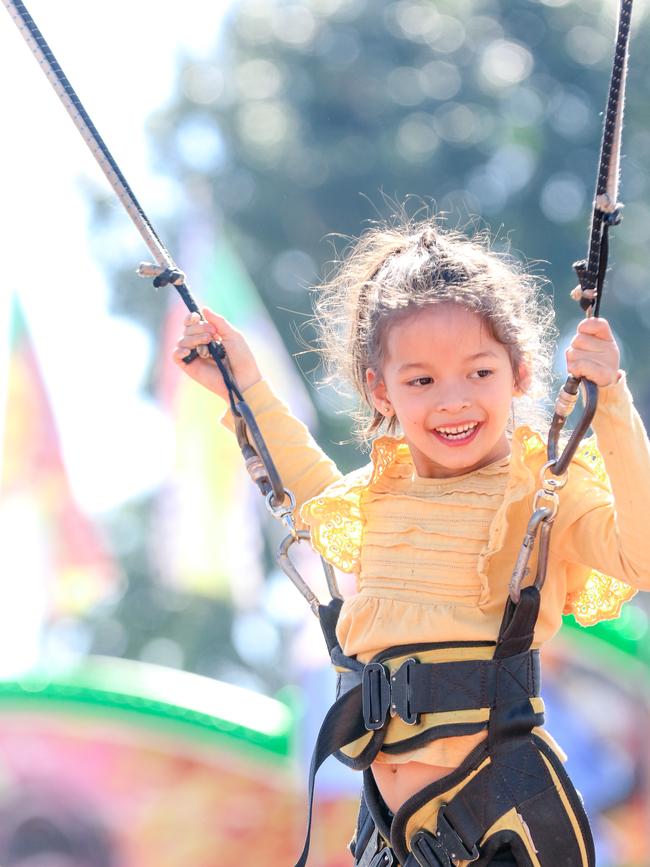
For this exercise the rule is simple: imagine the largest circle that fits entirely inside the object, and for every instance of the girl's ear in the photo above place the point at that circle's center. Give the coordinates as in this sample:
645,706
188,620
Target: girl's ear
378,393
522,380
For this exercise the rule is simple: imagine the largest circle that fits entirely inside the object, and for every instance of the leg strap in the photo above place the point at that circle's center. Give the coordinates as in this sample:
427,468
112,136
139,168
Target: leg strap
342,725
370,847
520,795
511,790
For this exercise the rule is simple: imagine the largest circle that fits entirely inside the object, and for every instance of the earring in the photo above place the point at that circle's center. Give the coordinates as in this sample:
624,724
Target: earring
388,410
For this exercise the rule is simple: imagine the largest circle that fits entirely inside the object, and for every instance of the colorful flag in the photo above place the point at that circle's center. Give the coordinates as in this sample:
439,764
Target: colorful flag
53,559
212,516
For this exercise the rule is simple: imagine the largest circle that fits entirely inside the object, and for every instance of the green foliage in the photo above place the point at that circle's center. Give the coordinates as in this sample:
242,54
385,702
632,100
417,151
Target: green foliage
317,117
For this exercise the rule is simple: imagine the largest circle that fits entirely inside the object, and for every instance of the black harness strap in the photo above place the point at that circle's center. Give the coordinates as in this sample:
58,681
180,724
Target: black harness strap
512,770
439,687
505,684
515,778
342,725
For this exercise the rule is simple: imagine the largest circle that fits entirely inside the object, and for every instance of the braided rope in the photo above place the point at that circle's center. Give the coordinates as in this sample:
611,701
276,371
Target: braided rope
64,90
606,209
165,272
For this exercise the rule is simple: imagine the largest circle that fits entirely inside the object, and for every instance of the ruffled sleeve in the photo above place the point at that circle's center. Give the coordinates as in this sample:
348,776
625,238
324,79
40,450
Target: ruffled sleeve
599,574
335,518
335,521
601,598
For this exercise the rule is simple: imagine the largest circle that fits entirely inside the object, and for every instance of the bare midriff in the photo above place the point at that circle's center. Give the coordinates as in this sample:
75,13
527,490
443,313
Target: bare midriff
397,783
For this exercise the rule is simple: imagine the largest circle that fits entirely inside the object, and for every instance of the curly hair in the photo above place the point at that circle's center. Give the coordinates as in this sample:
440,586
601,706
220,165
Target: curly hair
393,270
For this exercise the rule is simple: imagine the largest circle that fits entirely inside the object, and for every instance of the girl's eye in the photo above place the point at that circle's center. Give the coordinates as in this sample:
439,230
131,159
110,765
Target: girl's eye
483,373
421,380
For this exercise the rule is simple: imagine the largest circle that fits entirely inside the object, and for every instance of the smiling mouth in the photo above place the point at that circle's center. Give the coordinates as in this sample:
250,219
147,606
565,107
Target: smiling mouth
457,433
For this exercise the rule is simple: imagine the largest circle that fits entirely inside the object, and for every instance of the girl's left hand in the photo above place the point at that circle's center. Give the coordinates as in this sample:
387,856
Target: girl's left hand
593,353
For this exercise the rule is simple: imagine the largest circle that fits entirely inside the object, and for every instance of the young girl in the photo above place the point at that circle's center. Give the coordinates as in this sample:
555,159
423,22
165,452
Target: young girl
443,341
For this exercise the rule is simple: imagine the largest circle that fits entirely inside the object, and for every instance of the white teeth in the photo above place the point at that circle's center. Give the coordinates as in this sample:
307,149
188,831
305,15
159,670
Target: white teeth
457,431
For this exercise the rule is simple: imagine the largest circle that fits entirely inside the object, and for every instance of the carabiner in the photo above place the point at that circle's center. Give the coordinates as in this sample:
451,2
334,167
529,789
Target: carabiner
284,562
520,571
565,402
283,511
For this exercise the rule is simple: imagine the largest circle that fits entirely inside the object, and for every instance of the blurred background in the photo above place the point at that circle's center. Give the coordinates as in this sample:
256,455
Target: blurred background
161,681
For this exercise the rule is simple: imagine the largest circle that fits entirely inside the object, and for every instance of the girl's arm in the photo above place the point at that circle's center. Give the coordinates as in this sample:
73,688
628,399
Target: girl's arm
603,525
304,467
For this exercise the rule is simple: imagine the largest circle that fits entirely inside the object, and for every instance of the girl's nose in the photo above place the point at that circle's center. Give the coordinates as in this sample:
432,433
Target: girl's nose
452,403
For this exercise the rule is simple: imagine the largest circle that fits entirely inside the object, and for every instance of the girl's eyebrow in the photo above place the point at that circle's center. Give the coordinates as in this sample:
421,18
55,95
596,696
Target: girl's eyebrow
486,353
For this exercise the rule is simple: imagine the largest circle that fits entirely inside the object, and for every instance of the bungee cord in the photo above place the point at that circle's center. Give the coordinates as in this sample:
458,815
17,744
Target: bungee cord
257,458
591,276
259,463
606,208
592,270
55,75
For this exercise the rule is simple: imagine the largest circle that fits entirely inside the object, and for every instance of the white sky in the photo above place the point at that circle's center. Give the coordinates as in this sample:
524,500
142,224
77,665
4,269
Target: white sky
120,57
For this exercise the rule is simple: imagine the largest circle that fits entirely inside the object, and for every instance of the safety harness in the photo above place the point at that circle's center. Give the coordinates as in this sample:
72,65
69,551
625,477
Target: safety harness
511,790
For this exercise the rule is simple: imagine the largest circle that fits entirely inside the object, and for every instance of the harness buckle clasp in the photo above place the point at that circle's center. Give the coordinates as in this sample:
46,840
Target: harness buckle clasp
375,695
383,858
442,849
451,839
401,693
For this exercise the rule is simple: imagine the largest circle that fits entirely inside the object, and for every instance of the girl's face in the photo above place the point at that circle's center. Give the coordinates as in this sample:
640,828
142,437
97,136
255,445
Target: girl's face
451,385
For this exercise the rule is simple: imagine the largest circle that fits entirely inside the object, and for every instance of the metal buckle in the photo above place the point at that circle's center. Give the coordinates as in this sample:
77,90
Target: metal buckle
400,683
383,858
428,851
452,840
375,695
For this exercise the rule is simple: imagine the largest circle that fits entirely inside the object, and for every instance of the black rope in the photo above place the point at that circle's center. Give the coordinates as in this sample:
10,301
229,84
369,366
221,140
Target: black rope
171,274
591,272
54,65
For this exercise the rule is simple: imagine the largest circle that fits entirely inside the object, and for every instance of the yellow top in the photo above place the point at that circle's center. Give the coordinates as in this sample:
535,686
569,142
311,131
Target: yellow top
433,557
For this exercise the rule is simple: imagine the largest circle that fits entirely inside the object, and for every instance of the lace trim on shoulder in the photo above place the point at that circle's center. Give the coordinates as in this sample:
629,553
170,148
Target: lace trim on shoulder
532,445
335,521
386,453
334,517
601,598
589,455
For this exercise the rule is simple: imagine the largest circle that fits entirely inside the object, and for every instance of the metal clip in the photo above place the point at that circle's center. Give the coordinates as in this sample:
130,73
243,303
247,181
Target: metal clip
375,696
284,511
383,858
545,507
521,566
554,482
400,682
148,269
283,561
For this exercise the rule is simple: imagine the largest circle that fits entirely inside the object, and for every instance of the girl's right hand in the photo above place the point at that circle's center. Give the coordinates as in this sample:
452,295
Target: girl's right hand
199,332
